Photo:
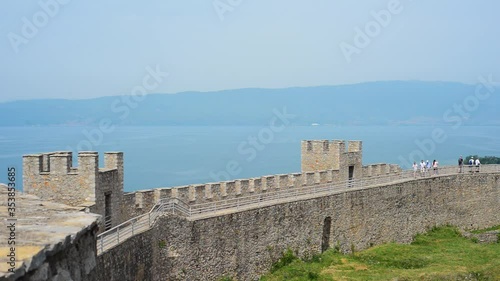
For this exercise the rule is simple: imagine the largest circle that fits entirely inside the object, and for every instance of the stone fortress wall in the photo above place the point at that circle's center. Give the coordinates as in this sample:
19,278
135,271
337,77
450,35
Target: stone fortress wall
323,162
51,176
244,244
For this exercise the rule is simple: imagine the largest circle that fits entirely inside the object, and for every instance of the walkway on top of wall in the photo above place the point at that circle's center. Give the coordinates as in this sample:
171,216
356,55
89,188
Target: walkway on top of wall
132,227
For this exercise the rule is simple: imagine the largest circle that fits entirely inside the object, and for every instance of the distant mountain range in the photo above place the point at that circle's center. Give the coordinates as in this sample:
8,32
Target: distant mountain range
376,103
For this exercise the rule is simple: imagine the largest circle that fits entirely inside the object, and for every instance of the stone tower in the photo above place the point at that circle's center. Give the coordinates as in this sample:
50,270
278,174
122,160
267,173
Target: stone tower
51,176
323,155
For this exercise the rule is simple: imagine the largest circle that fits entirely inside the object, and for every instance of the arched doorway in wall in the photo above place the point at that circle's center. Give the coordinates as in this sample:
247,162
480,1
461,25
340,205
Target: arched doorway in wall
327,228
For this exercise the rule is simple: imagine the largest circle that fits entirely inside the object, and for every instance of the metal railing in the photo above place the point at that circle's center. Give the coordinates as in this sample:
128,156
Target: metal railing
142,223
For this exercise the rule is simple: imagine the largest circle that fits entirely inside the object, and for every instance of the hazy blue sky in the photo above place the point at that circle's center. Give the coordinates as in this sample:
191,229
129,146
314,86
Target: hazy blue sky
82,49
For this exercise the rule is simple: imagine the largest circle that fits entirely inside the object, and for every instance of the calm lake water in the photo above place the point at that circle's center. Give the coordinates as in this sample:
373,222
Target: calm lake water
173,156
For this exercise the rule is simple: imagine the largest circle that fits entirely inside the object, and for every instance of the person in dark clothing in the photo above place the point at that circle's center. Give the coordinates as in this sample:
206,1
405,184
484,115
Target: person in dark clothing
460,164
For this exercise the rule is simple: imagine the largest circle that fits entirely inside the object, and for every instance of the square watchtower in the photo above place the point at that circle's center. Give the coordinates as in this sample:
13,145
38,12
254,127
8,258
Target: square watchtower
322,155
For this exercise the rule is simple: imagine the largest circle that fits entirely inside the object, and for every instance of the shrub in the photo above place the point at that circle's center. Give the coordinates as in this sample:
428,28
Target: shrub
287,258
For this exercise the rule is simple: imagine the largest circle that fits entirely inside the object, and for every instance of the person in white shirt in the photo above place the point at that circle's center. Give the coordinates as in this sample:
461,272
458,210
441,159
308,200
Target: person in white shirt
478,163
422,168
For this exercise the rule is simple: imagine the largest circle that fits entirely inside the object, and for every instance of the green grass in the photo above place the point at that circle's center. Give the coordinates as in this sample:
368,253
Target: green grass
441,254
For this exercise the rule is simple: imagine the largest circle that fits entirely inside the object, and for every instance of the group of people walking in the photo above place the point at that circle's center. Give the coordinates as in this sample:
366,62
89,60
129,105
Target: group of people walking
426,168
474,165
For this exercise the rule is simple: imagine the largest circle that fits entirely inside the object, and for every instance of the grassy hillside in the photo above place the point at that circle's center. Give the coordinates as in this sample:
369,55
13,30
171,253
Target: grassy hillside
441,254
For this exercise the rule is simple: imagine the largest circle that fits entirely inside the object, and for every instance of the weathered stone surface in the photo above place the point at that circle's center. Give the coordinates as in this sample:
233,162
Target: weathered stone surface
41,274
50,237
132,260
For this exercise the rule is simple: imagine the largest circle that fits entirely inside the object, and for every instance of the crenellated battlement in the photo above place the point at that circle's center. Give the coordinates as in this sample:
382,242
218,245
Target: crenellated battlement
316,146
320,151
61,162
355,146
325,146
52,176
139,202
382,169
